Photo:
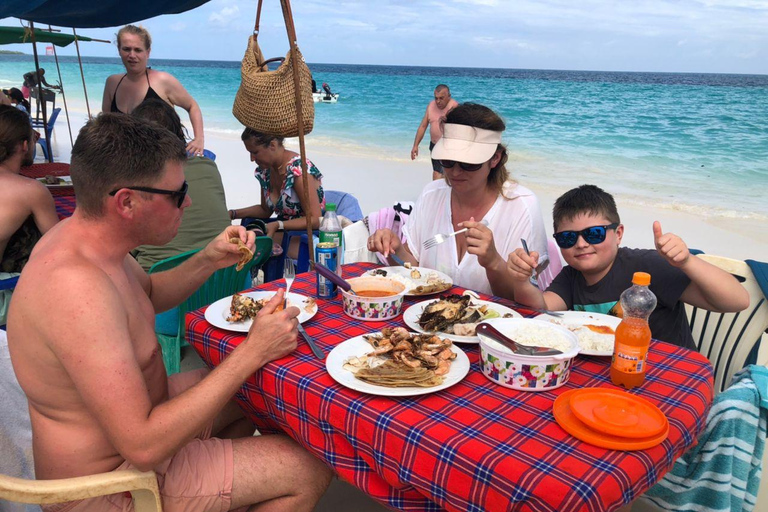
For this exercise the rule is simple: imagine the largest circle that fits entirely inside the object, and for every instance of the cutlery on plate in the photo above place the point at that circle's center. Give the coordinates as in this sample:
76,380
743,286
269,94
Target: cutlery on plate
290,275
440,238
333,277
399,261
489,331
315,349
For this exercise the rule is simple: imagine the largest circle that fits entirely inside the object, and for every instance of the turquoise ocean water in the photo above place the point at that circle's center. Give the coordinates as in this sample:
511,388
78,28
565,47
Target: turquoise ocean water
694,142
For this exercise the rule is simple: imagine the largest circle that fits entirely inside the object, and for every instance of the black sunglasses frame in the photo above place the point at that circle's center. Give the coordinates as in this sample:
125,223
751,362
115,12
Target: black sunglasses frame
181,193
588,234
449,164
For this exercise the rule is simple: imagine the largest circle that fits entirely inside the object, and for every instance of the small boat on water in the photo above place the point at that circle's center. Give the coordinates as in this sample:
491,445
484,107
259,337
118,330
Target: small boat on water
323,97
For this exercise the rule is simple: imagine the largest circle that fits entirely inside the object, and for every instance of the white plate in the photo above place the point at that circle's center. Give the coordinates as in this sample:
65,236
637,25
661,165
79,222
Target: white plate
425,273
357,346
575,318
66,181
412,314
217,313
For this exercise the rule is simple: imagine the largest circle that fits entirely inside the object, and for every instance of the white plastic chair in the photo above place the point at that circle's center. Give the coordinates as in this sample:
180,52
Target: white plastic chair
16,458
141,485
728,338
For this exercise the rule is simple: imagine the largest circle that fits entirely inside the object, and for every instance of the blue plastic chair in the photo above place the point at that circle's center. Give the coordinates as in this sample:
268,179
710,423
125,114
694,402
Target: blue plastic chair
346,205
223,282
209,154
48,133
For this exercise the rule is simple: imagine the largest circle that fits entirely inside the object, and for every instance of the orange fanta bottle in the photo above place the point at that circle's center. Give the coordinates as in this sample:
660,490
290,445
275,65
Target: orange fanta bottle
633,335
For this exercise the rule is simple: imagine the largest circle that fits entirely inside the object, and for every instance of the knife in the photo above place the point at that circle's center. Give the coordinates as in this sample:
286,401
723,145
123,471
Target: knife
315,349
399,260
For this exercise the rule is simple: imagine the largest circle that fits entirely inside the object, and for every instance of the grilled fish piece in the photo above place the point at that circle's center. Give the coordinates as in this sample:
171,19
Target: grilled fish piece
443,313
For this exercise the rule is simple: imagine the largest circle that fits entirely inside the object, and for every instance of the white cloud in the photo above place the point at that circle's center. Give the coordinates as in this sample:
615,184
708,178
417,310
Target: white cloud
178,26
225,16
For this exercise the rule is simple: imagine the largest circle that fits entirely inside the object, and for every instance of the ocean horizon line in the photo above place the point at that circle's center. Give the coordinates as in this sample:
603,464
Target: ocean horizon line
116,59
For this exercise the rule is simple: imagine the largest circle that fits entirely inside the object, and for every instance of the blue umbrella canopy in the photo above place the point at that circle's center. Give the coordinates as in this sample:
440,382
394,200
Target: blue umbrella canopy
92,13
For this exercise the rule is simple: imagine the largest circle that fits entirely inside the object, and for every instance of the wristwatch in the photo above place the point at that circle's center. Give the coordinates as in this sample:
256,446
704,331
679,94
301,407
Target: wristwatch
280,225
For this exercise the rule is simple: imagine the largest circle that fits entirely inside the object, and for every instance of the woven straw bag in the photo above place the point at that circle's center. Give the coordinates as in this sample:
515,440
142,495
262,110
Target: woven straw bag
266,100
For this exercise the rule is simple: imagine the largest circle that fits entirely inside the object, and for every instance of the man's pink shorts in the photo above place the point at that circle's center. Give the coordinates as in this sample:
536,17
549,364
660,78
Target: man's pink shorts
197,479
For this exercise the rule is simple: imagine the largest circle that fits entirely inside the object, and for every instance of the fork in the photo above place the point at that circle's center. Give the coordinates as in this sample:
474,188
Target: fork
440,238
535,275
289,274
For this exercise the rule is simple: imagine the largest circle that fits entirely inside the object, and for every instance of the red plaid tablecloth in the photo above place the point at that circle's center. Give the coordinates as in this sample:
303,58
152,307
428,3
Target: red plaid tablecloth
52,169
65,205
473,447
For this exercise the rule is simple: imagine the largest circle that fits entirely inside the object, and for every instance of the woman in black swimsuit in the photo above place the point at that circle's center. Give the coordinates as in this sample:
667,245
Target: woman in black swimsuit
124,92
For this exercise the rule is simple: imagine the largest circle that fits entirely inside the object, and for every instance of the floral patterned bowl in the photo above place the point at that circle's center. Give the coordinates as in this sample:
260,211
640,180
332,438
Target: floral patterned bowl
527,373
374,309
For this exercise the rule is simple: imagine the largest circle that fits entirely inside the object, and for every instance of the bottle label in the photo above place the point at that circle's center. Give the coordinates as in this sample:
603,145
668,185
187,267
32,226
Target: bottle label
330,236
629,359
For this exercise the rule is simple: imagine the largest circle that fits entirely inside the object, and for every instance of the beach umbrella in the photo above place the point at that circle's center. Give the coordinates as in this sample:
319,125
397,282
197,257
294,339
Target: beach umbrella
92,13
15,35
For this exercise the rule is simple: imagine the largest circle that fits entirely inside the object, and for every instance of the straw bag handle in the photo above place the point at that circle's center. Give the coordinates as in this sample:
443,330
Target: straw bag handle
289,27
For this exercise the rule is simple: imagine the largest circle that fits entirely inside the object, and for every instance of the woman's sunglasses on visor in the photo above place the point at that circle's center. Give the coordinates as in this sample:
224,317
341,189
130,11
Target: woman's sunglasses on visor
181,194
449,164
592,235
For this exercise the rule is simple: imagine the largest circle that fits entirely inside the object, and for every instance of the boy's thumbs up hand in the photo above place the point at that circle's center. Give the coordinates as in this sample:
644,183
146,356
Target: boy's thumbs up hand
670,246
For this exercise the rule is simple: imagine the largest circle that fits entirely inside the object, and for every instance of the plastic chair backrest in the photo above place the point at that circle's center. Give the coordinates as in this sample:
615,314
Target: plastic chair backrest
142,486
346,204
52,121
727,339
548,275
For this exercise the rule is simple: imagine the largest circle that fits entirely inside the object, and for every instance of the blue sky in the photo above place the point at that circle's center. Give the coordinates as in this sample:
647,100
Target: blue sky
726,36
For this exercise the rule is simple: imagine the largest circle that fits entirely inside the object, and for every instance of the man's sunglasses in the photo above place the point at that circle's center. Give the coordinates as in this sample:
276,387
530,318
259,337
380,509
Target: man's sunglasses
593,235
448,164
180,194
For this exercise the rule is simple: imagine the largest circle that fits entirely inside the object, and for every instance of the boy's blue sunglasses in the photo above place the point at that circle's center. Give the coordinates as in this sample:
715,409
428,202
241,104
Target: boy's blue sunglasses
592,235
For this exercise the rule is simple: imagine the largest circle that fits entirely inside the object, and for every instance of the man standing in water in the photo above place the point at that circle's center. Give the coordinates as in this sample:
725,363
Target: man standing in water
434,117
92,369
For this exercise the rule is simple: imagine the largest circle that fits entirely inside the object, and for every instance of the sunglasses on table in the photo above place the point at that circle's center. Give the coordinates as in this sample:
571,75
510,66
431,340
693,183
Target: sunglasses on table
449,164
593,235
181,194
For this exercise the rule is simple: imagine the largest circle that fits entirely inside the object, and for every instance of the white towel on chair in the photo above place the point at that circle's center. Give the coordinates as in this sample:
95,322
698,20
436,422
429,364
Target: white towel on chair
356,244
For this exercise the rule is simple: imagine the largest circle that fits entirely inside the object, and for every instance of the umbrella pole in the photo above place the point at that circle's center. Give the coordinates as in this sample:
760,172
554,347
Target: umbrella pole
40,94
63,96
285,4
82,75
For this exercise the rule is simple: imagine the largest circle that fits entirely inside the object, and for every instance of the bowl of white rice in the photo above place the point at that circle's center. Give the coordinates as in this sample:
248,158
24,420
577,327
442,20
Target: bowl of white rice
523,372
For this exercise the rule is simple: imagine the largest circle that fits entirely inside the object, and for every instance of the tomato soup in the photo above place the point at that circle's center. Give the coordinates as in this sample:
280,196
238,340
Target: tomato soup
375,293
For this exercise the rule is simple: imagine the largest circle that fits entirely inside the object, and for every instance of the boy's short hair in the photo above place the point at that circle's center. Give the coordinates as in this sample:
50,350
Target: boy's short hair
586,199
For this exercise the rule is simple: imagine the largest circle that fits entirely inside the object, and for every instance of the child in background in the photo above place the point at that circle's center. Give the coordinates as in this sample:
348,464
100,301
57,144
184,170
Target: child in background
588,231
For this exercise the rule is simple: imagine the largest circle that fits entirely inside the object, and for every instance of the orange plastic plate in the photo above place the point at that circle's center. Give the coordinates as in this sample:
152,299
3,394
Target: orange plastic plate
571,424
618,413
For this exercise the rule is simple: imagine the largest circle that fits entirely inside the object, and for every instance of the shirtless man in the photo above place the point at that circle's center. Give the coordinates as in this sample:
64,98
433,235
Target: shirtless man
434,117
82,341
125,91
23,202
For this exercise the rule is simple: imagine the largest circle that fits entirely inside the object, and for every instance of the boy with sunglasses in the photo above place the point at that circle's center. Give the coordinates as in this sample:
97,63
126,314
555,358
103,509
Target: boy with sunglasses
588,231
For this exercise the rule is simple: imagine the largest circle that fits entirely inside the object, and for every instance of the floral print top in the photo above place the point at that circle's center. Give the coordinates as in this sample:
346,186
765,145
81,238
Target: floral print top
288,204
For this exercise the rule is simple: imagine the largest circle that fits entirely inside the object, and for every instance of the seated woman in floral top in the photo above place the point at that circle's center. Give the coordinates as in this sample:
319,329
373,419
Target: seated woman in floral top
282,188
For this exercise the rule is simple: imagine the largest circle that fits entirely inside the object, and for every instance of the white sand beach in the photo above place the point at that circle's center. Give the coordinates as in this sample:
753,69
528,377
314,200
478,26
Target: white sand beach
378,182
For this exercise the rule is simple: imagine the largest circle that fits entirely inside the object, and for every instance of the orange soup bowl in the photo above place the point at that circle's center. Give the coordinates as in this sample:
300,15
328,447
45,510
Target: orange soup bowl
377,299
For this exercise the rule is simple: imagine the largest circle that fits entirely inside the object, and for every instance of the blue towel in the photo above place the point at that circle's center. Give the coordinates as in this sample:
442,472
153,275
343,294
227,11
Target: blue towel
722,472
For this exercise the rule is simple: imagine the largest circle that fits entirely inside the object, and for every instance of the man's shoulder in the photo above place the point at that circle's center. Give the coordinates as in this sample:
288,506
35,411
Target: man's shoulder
23,188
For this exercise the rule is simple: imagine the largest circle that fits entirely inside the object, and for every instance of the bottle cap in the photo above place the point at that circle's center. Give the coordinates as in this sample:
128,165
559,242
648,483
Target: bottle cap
641,278
330,207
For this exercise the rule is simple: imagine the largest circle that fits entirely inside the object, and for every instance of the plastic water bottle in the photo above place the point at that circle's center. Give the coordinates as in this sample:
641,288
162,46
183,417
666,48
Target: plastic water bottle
633,335
330,231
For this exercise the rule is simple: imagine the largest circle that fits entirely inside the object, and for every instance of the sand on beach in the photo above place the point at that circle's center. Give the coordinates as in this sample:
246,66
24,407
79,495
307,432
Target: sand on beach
378,182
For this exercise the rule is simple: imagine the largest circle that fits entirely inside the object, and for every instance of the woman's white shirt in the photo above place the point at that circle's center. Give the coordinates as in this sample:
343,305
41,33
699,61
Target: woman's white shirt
513,216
